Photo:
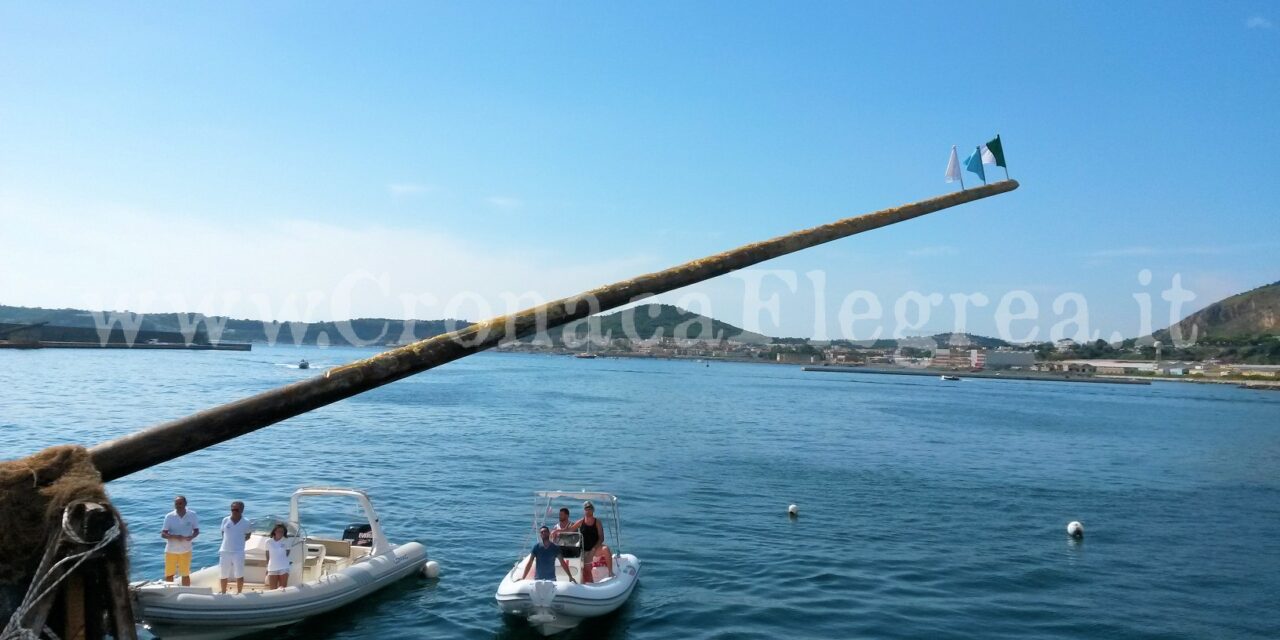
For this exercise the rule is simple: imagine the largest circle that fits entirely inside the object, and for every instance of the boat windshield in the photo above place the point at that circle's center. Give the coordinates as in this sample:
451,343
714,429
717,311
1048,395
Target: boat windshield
264,524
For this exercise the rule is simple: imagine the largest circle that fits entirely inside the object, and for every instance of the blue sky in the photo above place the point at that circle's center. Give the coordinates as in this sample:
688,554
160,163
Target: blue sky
241,158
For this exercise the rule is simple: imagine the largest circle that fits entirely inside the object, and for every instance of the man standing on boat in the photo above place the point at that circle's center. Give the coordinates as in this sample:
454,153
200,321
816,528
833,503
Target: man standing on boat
545,552
235,530
181,526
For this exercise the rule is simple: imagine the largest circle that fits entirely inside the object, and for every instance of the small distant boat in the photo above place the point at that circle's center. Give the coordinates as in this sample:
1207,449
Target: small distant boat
303,364
324,574
552,606
951,378
585,356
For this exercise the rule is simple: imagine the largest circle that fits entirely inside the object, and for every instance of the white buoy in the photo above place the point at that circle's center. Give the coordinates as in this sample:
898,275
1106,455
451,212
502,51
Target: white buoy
1075,529
793,511
431,569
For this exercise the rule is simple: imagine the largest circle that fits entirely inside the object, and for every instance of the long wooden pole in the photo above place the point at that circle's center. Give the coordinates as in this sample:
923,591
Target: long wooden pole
164,442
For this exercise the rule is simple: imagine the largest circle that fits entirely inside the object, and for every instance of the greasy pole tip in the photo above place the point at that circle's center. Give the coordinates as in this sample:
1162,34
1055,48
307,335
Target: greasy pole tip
989,189
999,186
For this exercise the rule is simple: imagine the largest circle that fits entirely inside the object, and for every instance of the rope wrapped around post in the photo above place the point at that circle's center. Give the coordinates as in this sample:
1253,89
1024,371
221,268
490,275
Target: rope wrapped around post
63,544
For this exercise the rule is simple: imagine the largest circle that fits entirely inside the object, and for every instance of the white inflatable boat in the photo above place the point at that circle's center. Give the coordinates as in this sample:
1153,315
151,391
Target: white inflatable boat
324,574
554,606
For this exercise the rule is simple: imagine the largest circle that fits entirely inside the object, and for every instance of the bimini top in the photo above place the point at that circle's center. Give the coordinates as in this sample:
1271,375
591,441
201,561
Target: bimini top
380,543
576,495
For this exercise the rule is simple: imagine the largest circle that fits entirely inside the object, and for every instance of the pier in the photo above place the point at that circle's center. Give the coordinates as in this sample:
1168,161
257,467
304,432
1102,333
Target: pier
224,346
40,335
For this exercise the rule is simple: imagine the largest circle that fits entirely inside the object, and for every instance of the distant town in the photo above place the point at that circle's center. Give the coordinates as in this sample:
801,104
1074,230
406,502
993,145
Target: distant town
1236,340
1062,357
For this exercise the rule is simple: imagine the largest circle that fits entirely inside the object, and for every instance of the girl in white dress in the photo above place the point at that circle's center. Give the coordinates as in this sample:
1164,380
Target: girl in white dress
278,558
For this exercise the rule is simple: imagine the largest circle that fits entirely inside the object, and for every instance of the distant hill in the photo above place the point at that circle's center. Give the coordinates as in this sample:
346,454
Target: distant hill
1252,313
968,340
662,320
363,331
647,321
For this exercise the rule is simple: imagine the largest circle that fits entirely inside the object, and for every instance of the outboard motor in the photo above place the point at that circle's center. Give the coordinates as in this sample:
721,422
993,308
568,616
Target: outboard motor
541,597
360,535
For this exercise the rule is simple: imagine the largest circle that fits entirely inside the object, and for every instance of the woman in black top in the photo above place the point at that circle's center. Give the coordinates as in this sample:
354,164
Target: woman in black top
592,531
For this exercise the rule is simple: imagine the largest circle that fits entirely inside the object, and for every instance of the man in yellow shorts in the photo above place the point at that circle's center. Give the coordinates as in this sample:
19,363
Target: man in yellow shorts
181,526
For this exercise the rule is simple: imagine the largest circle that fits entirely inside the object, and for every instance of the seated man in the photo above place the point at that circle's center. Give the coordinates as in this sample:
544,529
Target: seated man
563,524
545,553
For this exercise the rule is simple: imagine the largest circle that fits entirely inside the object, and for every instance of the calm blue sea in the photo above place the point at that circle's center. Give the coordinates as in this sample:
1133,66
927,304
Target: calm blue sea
928,509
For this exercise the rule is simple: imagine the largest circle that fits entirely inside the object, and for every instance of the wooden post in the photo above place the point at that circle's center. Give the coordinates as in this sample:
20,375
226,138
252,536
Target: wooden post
121,604
73,606
152,446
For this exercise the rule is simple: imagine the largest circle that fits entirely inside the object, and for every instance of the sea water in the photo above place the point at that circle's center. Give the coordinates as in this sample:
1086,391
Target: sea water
928,509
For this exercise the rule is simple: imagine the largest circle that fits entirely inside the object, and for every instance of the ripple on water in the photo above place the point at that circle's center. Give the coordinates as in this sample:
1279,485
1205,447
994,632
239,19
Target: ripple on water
922,515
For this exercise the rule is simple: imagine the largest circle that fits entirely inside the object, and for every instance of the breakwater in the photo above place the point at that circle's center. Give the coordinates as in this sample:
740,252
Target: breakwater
224,346
998,375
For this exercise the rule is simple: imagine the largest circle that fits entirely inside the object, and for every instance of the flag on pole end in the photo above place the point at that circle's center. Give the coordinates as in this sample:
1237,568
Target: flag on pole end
974,163
993,153
953,166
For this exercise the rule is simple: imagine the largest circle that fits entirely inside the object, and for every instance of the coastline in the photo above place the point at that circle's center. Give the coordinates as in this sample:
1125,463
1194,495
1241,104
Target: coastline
998,375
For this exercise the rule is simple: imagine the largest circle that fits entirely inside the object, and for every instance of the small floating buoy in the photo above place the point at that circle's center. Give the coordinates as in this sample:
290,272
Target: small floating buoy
1075,530
431,569
793,511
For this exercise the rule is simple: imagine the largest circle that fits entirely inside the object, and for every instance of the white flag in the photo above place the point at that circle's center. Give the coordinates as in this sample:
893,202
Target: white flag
987,156
953,166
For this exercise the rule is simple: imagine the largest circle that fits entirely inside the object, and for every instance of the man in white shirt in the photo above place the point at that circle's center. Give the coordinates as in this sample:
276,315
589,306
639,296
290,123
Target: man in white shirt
564,524
235,530
181,526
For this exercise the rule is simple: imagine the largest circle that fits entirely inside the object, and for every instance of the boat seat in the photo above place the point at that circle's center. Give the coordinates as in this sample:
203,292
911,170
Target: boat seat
313,560
255,549
573,571
339,548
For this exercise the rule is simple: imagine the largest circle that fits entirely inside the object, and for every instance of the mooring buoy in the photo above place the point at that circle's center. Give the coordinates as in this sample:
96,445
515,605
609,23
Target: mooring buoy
431,569
1075,529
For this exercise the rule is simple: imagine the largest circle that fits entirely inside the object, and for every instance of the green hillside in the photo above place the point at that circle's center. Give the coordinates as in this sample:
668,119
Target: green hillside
645,322
361,331
1252,313
662,321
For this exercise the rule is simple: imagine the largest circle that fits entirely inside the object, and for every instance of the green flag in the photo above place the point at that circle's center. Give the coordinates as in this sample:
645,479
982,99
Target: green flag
996,151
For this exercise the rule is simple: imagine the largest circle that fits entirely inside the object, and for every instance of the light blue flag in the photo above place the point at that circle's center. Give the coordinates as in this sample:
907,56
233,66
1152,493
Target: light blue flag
974,164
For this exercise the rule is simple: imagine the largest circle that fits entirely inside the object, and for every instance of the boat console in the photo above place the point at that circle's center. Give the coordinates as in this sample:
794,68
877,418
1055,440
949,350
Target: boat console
570,543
